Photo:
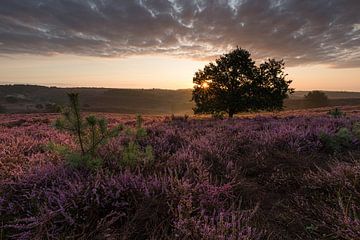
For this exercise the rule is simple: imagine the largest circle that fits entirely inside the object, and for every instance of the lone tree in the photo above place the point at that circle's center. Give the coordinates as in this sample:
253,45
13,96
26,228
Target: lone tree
316,99
235,84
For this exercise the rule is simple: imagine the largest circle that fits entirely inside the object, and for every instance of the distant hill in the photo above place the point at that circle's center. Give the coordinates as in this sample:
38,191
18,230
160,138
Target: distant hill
32,98
330,94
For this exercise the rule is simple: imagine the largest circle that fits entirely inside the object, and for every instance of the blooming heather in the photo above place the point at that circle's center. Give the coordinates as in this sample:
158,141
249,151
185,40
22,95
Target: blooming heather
264,177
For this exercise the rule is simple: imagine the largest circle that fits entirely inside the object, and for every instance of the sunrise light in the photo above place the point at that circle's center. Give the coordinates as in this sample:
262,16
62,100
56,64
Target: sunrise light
180,119
205,85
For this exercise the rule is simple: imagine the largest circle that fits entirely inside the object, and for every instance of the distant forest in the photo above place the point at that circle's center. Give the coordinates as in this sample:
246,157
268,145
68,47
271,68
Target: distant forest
31,98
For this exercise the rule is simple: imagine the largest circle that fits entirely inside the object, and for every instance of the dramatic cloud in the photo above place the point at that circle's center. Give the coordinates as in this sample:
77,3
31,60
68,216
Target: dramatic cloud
300,31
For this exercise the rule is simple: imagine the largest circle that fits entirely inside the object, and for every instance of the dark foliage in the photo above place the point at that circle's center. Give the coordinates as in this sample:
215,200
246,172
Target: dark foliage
336,113
235,84
316,99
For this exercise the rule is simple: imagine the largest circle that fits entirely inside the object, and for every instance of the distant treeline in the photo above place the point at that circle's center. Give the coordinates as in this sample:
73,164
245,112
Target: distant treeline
31,98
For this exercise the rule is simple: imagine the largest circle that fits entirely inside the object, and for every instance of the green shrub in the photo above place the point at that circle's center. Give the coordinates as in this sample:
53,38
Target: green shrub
149,154
130,154
132,151
139,121
339,142
89,133
76,160
58,148
140,131
336,113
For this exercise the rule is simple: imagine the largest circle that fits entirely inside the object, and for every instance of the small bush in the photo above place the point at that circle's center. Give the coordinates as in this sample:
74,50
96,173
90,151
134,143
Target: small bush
336,113
58,148
339,142
316,99
77,160
132,151
130,154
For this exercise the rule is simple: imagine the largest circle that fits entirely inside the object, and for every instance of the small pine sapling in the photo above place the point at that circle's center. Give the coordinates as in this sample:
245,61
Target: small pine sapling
140,131
336,113
90,133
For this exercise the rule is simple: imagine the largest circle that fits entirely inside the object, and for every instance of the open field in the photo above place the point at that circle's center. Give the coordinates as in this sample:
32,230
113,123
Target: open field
287,175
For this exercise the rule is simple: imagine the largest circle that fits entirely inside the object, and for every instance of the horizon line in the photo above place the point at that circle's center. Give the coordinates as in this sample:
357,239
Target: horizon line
165,89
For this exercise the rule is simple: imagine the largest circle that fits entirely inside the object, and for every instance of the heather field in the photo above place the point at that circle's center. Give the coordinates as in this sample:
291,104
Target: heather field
294,175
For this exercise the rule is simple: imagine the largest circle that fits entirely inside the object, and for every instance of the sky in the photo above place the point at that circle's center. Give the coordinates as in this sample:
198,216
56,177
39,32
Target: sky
162,43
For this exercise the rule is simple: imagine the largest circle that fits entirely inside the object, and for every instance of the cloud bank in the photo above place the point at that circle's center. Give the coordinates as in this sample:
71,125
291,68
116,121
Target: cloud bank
299,31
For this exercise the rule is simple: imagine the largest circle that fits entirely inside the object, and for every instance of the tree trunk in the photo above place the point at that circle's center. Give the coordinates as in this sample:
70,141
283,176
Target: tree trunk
231,114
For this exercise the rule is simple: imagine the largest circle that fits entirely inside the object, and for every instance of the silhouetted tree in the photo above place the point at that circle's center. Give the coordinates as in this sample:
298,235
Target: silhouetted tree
235,84
316,99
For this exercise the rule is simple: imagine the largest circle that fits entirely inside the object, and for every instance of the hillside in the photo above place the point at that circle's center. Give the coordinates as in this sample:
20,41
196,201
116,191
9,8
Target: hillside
330,94
30,98
145,101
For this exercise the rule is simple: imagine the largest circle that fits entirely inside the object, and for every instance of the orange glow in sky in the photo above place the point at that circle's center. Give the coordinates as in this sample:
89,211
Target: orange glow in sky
147,72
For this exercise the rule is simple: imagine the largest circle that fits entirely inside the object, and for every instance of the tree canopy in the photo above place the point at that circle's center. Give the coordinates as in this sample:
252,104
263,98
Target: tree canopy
316,99
233,84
